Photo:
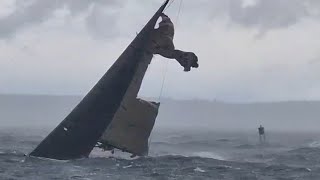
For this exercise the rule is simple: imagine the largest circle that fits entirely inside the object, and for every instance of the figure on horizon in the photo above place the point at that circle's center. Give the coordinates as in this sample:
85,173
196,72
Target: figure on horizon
262,135
162,44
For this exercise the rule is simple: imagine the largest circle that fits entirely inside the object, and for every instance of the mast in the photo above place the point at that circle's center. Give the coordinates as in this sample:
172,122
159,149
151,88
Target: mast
77,134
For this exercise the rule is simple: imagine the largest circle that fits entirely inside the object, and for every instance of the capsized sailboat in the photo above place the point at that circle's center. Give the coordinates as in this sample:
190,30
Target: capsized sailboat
111,111
133,122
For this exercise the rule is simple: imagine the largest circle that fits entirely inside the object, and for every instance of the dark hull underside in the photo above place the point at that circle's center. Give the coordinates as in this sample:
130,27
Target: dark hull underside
77,134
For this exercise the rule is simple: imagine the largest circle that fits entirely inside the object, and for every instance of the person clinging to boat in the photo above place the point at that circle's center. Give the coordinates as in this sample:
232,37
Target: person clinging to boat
162,44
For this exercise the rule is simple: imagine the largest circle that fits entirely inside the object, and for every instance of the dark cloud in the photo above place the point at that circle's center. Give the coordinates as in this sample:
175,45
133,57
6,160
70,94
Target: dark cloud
29,12
263,14
268,14
102,22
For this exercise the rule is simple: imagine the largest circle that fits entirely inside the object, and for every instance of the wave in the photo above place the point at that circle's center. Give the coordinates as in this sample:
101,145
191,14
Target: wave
246,146
210,155
314,144
11,153
223,140
304,156
192,143
197,154
50,159
258,145
197,169
201,156
305,150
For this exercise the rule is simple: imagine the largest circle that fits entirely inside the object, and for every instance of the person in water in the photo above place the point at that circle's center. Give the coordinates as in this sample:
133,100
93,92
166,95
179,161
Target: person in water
162,44
262,135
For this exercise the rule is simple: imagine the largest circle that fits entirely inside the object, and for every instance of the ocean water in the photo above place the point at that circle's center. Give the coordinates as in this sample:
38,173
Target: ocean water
174,154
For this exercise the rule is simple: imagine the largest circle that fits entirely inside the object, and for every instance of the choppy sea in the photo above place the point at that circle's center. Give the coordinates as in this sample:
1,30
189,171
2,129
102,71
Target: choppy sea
174,154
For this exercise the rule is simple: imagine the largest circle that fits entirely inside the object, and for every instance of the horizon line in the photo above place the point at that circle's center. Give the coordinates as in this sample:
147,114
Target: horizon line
168,98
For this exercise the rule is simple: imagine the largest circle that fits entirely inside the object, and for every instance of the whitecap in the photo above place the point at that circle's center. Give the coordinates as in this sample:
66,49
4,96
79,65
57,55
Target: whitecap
118,154
199,170
49,159
210,155
314,144
125,167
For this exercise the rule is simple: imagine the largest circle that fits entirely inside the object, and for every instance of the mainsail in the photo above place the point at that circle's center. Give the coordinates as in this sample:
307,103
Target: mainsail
77,134
133,122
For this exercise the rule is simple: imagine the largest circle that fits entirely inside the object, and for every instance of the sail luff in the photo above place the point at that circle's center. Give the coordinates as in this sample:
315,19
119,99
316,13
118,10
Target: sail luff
77,134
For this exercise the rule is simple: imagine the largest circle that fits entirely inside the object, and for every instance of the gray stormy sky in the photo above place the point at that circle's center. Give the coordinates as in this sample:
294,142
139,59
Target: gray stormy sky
249,50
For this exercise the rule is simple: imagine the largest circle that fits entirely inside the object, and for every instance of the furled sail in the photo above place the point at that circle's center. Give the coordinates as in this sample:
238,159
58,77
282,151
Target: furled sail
77,134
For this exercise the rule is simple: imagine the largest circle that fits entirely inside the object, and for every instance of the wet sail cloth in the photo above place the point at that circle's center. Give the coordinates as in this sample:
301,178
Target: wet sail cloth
134,120
112,101
131,127
132,124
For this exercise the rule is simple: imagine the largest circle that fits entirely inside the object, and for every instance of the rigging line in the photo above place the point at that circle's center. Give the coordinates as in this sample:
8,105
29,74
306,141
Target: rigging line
167,61
163,79
178,15
168,5
166,69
